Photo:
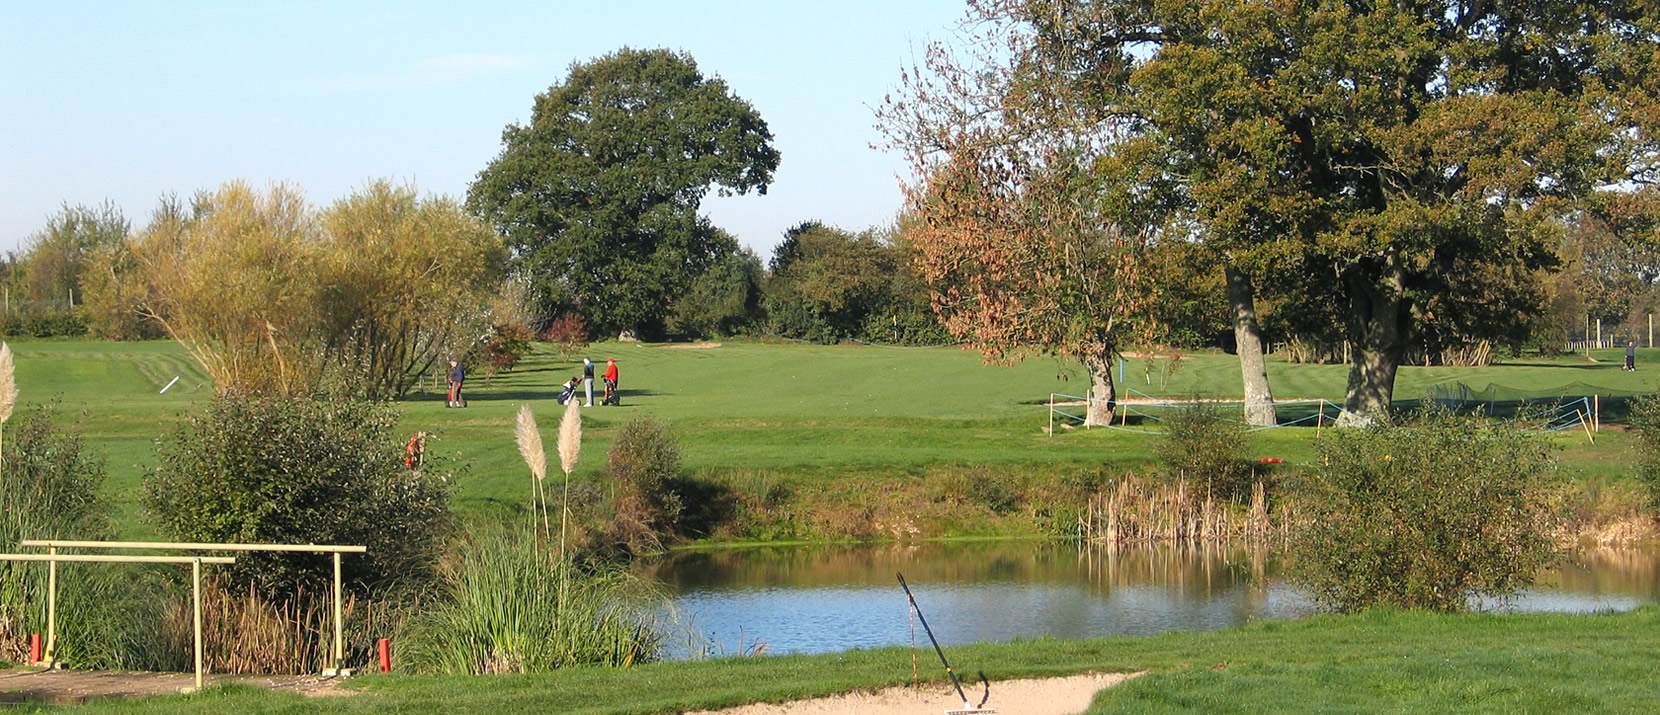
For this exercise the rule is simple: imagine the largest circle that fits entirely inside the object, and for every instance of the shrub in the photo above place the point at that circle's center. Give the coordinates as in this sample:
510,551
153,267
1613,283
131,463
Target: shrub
1645,419
509,605
906,325
644,467
50,487
283,470
505,346
48,483
47,323
1425,514
1203,445
568,335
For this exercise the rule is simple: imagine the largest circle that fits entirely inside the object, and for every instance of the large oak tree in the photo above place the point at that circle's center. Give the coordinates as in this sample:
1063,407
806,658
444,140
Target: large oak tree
598,194
1407,152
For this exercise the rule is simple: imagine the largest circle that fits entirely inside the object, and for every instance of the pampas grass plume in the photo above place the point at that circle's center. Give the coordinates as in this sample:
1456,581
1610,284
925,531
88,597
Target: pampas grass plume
8,383
570,436
530,443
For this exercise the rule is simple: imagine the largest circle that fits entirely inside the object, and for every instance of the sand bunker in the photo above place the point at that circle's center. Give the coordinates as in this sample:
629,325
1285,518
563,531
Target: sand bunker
1032,696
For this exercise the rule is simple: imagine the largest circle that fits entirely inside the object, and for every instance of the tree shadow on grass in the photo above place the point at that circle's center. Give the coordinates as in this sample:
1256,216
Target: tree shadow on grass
523,396
1537,366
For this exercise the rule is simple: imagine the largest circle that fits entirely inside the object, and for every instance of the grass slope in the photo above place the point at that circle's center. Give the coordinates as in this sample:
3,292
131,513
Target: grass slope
764,407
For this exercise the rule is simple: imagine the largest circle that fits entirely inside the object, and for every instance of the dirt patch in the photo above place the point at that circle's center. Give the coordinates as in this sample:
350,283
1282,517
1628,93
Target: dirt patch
1032,696
692,346
69,687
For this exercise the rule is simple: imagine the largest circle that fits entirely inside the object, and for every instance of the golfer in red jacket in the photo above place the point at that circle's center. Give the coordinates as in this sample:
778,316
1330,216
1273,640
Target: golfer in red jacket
610,382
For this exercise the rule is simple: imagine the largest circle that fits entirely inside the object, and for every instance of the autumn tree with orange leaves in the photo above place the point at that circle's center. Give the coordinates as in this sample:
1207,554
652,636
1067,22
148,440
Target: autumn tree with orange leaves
1024,251
1020,265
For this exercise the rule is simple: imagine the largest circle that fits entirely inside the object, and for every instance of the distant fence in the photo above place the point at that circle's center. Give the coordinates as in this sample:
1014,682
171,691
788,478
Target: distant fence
1147,412
1602,344
1573,406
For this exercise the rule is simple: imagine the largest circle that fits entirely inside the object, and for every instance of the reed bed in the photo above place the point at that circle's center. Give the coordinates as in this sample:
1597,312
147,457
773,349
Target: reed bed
245,633
1141,510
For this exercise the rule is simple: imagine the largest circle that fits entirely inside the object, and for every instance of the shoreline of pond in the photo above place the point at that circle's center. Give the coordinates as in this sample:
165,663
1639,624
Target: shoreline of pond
744,508
831,598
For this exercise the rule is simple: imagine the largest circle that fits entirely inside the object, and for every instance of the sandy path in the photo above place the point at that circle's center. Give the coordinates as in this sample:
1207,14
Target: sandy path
68,687
1033,696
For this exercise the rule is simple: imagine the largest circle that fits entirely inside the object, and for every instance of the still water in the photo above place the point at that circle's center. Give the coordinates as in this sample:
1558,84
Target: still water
827,599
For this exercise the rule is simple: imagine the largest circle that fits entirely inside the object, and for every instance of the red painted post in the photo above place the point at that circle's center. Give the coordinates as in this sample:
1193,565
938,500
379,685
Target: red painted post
34,648
385,646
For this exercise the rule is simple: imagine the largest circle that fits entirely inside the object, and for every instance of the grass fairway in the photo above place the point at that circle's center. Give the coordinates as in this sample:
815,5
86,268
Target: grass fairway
792,408
1380,661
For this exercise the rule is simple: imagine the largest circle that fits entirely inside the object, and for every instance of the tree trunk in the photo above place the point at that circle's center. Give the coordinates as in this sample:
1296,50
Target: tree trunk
1377,314
1103,398
1259,399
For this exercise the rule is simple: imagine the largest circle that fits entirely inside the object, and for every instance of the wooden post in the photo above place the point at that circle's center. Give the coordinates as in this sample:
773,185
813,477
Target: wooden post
1051,414
196,603
339,640
51,608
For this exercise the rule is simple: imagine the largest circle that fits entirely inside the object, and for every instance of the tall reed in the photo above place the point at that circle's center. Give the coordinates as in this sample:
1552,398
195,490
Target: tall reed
570,449
508,607
1137,509
8,392
246,633
530,447
110,617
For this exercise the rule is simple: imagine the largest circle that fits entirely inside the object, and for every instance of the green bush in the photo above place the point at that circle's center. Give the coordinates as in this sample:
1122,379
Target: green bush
51,490
644,468
510,605
50,485
905,325
1203,445
46,323
297,471
1645,420
1425,514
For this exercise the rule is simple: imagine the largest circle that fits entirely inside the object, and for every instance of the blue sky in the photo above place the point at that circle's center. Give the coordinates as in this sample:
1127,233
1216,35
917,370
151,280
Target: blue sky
128,101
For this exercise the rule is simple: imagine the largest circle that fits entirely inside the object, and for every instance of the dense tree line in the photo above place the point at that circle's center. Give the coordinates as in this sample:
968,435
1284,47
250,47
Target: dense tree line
1091,177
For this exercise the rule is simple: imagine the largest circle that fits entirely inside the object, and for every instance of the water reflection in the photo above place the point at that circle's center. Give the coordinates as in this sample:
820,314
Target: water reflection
826,599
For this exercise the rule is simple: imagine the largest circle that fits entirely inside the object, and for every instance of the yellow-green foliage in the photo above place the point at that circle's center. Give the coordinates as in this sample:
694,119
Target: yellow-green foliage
267,293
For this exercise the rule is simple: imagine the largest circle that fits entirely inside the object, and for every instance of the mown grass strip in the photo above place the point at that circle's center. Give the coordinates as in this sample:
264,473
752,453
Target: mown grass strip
1379,661
790,408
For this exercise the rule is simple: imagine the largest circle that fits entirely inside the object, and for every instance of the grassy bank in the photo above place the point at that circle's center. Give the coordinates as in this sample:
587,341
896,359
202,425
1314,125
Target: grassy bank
818,420
1395,661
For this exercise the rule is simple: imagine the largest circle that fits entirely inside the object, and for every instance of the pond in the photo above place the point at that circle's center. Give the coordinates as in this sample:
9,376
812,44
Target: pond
828,599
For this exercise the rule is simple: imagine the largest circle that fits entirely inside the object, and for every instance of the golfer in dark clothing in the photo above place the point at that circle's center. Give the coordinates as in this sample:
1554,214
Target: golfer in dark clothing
1631,355
588,381
457,375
